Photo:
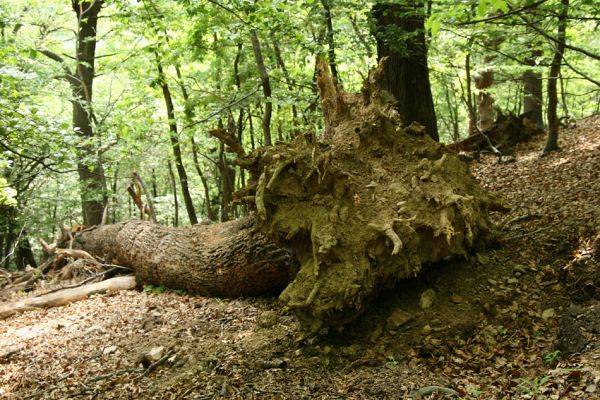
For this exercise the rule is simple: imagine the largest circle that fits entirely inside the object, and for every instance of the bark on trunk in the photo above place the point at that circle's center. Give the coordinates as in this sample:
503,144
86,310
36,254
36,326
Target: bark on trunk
266,85
175,145
532,83
485,102
406,70
330,41
553,122
90,170
231,259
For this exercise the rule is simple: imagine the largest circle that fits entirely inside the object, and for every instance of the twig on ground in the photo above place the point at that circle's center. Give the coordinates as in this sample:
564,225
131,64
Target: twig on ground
429,390
532,233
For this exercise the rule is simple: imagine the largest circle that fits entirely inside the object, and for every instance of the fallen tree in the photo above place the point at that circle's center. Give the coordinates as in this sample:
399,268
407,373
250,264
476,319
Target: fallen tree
366,205
506,131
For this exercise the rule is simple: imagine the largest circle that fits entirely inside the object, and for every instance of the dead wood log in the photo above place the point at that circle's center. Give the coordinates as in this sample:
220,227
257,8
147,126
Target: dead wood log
504,134
232,259
67,296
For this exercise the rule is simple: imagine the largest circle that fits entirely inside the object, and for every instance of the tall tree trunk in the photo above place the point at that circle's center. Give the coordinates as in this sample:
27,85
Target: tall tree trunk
210,214
532,83
175,145
266,85
361,37
330,41
89,167
24,254
552,141
174,191
485,103
290,82
470,107
406,74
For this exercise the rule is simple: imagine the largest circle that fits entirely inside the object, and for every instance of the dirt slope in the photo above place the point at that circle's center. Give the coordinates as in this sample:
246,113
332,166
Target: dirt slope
489,333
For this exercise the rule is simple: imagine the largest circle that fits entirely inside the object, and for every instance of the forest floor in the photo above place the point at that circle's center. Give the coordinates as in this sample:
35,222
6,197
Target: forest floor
491,332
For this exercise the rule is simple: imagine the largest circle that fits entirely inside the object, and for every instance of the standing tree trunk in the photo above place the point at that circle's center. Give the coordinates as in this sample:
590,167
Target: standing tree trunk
469,95
266,85
532,85
174,190
330,41
175,145
89,166
400,34
552,141
207,202
485,103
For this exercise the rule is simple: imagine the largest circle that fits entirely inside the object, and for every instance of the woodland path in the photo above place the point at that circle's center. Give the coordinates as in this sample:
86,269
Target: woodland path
490,331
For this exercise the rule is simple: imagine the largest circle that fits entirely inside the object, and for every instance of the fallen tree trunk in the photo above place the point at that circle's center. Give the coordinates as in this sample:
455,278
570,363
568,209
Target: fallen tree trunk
67,296
362,208
504,134
231,259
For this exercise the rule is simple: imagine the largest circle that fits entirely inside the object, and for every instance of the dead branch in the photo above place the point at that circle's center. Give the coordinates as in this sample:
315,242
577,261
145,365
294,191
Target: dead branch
135,190
67,296
229,140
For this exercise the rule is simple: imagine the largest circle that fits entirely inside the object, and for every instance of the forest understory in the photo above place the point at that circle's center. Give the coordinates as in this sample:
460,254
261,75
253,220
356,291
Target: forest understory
521,320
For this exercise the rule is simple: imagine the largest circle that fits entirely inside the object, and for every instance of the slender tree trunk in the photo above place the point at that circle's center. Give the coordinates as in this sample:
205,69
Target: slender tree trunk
406,72
252,144
89,168
330,41
552,141
240,120
266,85
174,191
210,214
470,107
175,144
290,82
361,37
532,83
485,103
114,194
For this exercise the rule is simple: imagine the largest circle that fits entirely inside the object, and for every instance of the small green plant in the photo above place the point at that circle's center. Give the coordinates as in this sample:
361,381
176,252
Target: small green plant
533,386
473,392
154,289
551,358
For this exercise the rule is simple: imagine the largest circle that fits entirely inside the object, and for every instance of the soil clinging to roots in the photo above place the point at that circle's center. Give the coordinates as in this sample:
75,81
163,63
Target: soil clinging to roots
365,206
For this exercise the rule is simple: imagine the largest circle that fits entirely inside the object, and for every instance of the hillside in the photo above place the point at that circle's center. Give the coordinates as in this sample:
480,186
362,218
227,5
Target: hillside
491,329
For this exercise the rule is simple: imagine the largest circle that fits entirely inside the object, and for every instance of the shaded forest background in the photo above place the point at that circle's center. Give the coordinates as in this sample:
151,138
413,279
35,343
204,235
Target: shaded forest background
169,76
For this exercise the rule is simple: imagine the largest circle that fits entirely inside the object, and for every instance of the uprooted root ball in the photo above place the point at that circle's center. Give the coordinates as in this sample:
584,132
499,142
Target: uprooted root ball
364,207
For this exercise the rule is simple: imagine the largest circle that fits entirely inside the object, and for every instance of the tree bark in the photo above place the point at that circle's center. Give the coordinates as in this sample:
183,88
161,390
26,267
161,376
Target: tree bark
266,85
231,259
89,168
469,95
174,190
485,103
175,145
330,41
532,84
553,122
400,36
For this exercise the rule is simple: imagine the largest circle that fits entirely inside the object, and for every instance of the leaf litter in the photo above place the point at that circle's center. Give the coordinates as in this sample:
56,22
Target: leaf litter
516,321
